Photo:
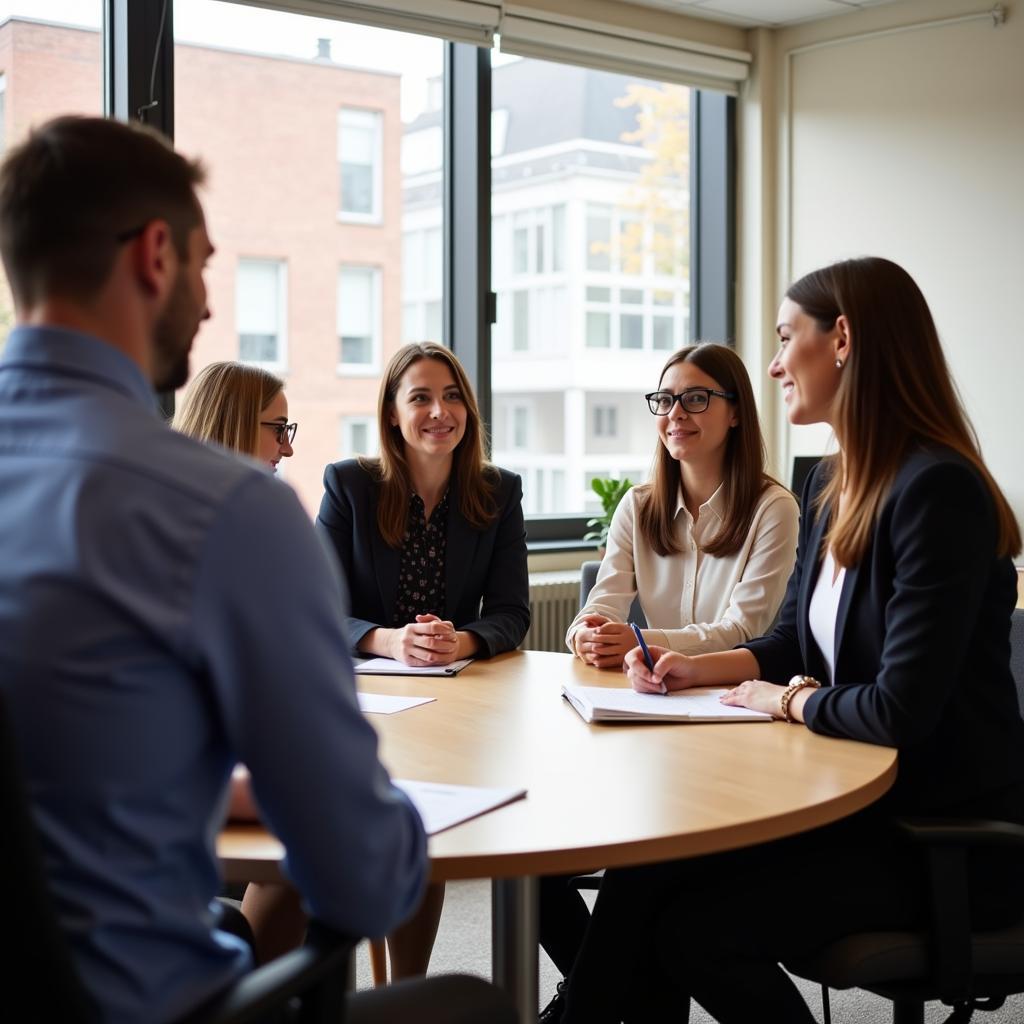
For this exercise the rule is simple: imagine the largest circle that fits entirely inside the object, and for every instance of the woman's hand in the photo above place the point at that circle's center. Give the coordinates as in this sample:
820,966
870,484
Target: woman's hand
603,643
672,671
757,695
427,641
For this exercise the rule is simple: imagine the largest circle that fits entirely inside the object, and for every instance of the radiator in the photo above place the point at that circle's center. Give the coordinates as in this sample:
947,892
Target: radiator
554,601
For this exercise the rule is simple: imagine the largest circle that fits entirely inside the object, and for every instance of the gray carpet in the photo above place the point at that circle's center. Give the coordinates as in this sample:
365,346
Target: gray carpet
464,944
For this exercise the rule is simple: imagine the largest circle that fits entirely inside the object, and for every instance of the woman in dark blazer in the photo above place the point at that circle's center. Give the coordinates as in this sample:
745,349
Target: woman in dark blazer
432,543
430,536
895,630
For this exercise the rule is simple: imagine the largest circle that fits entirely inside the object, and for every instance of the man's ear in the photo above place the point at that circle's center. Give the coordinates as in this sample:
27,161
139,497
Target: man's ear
843,339
155,258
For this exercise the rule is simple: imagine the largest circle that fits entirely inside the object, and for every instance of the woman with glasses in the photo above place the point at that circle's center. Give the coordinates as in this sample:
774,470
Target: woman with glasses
895,630
240,407
707,546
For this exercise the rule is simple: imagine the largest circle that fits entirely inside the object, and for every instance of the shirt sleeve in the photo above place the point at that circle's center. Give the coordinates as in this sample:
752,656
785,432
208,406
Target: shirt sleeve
505,602
756,595
268,622
615,587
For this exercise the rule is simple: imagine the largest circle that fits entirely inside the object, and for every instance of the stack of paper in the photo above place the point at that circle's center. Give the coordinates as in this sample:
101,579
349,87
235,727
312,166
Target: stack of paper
388,704
601,704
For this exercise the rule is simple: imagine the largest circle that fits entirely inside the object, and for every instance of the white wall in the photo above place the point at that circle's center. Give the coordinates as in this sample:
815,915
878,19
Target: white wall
906,144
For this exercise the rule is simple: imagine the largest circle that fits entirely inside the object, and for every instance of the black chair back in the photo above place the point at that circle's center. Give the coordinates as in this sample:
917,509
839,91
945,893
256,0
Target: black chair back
1017,653
39,976
588,577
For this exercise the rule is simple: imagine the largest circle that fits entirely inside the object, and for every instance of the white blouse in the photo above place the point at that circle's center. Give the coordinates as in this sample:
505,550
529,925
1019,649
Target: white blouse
824,609
697,603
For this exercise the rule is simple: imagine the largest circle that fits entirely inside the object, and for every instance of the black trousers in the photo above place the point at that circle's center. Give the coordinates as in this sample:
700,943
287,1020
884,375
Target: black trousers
715,928
564,917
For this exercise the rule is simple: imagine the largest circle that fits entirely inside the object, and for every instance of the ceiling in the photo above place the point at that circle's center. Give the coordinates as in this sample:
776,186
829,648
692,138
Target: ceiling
764,13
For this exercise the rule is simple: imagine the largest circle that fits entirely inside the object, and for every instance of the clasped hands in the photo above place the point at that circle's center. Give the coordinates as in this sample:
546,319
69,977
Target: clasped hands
428,641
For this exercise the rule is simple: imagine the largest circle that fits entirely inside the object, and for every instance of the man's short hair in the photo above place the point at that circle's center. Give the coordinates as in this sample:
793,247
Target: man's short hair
75,190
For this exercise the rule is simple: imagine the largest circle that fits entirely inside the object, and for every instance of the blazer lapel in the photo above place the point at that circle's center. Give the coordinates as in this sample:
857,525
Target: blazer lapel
386,564
460,553
814,663
849,585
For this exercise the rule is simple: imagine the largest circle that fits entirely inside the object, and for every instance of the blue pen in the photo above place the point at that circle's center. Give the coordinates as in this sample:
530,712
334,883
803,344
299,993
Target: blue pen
648,660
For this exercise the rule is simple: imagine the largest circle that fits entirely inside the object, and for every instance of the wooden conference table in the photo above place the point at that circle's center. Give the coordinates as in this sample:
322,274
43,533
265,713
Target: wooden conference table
598,796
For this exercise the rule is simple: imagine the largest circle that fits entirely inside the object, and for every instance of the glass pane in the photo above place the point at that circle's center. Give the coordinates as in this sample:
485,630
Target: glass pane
323,141
603,185
599,330
51,63
631,330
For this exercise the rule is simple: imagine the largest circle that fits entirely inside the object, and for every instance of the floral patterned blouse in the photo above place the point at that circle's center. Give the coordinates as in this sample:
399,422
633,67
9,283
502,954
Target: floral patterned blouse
421,569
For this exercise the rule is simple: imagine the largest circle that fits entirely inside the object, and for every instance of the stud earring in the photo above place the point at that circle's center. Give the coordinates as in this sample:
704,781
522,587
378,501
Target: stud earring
839,364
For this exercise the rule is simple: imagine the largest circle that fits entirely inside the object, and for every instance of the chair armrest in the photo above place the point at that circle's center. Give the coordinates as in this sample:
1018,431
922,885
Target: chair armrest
966,832
945,842
317,972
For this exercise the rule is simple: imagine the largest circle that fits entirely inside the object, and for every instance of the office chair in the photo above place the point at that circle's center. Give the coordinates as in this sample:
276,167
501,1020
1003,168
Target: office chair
966,970
588,577
40,982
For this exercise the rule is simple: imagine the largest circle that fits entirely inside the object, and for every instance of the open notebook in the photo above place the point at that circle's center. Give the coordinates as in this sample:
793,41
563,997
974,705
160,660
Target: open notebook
701,704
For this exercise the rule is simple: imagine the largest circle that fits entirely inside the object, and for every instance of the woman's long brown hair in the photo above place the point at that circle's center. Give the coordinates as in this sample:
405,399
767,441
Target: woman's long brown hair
895,393
477,478
745,459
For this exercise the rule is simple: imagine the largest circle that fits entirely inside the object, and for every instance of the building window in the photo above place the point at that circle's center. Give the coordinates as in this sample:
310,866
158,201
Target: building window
359,160
358,320
519,428
606,421
358,436
260,312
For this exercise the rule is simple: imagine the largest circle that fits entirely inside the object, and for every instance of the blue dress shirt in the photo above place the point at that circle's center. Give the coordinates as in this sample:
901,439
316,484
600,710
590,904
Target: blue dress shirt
166,611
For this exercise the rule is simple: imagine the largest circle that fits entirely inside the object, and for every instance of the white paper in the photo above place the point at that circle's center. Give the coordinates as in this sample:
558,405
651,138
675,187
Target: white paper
701,704
388,704
390,667
441,805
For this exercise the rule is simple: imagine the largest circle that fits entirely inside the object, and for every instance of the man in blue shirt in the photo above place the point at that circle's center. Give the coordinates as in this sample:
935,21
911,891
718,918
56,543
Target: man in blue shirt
165,608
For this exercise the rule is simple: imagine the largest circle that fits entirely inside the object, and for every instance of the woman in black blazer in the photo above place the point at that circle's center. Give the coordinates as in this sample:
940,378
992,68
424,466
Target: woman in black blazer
895,630
430,537
432,543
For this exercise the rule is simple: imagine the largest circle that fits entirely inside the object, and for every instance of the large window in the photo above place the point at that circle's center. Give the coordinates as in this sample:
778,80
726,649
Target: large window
327,201
590,260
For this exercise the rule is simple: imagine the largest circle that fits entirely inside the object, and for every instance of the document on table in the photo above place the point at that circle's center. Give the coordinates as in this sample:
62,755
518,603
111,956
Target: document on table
388,704
700,704
441,805
390,667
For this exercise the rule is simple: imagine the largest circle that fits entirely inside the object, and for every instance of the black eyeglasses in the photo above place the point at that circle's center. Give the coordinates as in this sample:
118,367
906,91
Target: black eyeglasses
282,430
692,400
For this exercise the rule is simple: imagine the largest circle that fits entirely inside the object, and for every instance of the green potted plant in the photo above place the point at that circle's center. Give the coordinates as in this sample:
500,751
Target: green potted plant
610,492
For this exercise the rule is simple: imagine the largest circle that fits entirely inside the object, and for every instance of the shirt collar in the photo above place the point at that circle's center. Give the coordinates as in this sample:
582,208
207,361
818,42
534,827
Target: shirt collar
73,353
715,504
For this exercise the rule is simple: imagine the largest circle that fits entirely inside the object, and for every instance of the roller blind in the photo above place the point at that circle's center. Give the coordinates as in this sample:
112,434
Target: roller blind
528,33
464,21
